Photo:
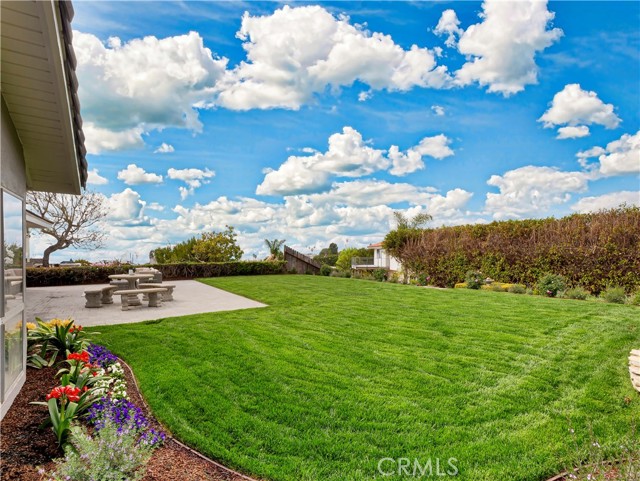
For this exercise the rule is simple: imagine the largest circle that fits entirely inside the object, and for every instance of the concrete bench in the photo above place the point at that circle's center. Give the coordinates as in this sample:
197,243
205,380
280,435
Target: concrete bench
107,294
93,297
154,300
167,296
121,284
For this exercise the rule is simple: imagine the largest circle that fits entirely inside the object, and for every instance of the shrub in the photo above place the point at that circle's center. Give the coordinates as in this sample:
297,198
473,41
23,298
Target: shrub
615,295
338,273
635,299
326,270
497,287
394,278
550,284
517,289
111,455
68,276
591,250
576,293
474,280
380,275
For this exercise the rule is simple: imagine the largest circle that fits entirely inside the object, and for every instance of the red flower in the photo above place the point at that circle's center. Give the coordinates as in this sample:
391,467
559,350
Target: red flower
70,392
75,328
82,356
56,393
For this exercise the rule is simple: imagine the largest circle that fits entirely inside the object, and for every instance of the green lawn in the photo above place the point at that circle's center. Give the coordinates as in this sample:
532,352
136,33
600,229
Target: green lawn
338,373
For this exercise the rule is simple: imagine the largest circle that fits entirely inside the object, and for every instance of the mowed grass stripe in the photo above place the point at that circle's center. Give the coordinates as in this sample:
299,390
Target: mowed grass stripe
337,373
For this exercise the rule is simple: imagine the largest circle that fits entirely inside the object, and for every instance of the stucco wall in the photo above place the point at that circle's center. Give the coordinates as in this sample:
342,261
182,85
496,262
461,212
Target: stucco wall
12,168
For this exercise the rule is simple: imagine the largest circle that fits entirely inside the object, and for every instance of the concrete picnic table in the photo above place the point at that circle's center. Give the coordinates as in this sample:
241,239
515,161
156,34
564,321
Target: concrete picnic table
132,279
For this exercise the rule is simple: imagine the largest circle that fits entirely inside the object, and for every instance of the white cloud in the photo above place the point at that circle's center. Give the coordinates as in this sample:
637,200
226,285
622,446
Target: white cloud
164,149
501,49
297,52
194,178
352,213
405,163
438,110
532,190
127,88
449,25
365,95
125,208
155,206
607,201
348,155
98,139
620,157
571,132
134,175
577,108
94,178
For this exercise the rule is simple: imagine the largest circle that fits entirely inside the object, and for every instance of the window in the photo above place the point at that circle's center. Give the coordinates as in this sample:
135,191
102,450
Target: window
12,330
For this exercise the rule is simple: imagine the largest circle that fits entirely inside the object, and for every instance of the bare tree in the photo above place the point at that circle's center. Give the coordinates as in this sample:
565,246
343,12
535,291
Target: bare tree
74,219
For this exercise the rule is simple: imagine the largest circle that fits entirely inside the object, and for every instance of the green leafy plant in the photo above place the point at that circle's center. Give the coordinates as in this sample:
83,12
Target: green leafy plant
635,299
517,289
65,403
49,339
474,279
550,284
339,273
577,293
325,270
380,275
111,455
615,295
62,402
80,373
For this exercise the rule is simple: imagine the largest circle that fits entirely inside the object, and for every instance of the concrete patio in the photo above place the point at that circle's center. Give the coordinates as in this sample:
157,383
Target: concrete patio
190,297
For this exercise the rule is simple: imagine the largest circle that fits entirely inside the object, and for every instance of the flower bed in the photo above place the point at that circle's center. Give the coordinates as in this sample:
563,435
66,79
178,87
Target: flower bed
29,452
102,433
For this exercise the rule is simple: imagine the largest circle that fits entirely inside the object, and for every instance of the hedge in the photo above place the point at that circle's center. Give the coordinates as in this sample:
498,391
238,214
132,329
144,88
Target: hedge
66,276
591,250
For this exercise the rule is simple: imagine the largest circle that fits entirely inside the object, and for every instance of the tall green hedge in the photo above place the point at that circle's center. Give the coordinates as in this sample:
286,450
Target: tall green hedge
590,250
65,276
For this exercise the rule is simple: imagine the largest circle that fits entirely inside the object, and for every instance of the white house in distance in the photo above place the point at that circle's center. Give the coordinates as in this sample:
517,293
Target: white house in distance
380,260
42,148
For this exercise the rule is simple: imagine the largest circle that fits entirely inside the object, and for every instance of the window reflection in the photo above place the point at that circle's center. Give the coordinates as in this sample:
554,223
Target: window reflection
13,345
12,252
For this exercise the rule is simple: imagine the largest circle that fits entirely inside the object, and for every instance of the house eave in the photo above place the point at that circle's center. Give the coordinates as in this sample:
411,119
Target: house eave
39,87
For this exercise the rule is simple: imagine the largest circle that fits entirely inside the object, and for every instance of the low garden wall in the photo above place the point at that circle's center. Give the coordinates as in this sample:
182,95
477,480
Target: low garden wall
67,276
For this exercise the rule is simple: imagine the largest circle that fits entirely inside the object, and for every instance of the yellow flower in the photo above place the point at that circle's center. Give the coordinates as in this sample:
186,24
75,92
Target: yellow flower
58,322
30,326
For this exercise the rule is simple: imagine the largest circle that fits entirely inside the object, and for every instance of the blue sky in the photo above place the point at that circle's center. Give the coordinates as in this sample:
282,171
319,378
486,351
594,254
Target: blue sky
312,122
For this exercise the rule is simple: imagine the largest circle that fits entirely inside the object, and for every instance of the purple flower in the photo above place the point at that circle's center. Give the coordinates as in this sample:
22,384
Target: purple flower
101,355
126,416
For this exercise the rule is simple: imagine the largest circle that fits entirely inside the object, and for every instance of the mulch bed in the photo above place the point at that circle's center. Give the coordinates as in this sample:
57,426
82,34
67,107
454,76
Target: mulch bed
24,447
